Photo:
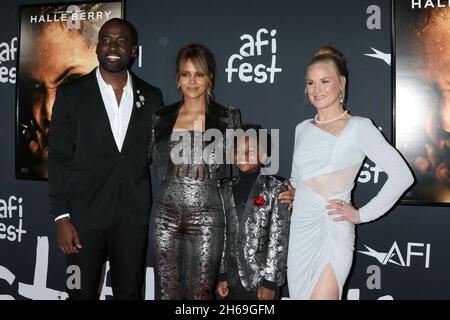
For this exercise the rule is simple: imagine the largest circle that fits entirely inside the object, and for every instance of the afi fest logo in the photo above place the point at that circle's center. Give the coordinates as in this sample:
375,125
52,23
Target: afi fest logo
264,44
8,52
38,289
392,256
369,173
395,256
11,214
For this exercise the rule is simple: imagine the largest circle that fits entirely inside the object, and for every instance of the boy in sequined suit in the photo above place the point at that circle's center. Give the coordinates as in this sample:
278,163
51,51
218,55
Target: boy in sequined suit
253,265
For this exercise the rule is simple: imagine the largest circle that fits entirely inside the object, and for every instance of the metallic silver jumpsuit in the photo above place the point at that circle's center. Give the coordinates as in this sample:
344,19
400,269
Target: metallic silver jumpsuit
189,229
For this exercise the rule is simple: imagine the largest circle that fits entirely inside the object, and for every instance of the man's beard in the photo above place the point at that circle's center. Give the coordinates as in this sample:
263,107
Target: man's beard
120,66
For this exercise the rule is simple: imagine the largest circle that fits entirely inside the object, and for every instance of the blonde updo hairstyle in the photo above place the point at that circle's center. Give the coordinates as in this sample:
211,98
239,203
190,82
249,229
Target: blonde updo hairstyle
337,60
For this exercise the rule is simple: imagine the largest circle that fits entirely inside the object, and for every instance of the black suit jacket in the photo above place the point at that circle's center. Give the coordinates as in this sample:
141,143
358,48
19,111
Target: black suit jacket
88,176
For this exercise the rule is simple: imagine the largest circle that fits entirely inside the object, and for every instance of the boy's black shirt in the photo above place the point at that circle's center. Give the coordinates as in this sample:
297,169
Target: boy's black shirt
242,188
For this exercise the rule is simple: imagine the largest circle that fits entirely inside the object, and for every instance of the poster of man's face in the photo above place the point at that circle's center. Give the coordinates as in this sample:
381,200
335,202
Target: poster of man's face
422,96
56,45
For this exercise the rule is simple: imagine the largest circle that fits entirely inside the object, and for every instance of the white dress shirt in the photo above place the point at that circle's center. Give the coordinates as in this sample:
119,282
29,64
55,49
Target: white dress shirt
118,115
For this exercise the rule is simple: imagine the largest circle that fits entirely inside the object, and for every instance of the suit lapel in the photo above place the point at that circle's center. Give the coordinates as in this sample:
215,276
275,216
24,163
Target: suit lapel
139,102
163,127
255,191
98,110
212,117
232,201
165,121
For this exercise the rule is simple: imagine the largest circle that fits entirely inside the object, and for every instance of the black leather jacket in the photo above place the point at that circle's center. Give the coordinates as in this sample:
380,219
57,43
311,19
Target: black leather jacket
216,117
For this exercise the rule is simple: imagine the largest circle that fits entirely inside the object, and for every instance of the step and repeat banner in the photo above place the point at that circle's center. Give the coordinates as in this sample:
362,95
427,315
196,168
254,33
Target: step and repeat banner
262,49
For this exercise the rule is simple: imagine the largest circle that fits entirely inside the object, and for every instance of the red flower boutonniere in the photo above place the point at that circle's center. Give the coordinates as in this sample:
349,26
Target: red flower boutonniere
259,201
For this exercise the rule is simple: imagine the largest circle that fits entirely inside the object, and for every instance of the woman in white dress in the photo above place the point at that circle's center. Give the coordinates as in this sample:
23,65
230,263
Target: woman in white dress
329,151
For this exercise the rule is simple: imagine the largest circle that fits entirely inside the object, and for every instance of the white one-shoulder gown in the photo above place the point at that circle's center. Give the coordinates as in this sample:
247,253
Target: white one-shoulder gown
324,167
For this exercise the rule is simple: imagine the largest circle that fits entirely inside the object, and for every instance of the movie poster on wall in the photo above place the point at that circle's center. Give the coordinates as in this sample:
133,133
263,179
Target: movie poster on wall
421,34
56,44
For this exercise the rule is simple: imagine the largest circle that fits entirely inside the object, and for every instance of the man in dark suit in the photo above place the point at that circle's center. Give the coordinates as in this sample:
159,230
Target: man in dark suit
99,179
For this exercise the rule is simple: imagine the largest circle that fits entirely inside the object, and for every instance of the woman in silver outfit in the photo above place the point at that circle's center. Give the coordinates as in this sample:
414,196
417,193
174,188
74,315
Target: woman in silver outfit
187,214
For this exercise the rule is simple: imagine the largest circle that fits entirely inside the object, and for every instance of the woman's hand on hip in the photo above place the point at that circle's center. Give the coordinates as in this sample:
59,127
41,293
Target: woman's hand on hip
343,211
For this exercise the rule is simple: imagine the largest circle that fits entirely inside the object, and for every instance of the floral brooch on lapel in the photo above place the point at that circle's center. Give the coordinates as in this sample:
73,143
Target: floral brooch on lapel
259,201
141,98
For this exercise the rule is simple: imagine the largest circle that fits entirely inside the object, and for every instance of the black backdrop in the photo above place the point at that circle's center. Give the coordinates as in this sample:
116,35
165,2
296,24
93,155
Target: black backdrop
408,249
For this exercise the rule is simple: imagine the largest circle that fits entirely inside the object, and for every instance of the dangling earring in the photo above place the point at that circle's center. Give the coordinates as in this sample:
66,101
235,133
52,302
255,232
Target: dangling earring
179,86
341,98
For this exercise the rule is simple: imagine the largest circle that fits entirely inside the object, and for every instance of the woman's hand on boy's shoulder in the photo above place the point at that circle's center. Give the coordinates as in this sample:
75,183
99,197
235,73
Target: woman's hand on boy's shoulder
287,197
